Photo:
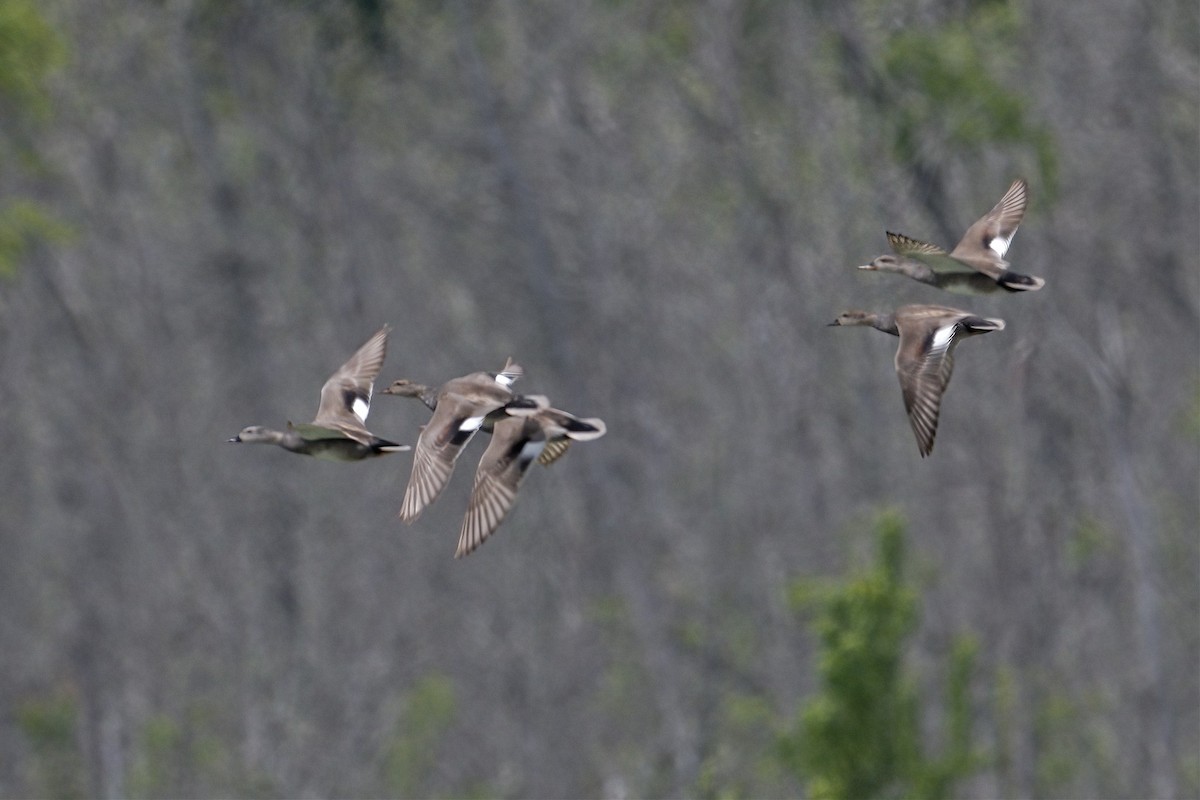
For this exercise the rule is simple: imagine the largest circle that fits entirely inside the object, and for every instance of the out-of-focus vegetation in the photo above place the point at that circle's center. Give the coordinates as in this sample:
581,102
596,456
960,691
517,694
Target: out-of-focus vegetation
31,50
861,734
655,207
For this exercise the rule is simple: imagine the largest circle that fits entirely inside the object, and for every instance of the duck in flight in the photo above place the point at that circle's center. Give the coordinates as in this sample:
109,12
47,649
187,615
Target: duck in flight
519,438
429,396
976,265
338,432
461,407
925,358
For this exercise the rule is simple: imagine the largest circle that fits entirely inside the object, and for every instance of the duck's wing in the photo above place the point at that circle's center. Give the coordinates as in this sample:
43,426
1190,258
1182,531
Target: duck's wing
441,441
969,281
924,363
314,433
346,396
560,429
516,443
553,451
931,255
986,242
509,373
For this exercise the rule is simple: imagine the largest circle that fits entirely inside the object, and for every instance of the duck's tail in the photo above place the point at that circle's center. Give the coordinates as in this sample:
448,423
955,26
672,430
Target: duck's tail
526,405
381,445
1016,282
583,430
983,324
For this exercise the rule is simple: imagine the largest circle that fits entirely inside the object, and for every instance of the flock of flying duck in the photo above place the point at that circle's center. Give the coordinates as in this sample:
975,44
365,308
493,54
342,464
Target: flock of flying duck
524,428
928,333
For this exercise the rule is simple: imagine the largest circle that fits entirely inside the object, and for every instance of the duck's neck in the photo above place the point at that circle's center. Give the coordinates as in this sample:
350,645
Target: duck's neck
917,270
428,395
885,323
288,439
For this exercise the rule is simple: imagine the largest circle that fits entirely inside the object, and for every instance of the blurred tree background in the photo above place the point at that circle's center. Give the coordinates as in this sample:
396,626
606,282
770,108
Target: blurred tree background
752,586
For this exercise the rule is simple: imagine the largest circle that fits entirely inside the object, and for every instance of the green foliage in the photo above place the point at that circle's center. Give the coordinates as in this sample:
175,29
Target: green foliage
48,723
1072,733
742,760
1189,776
937,777
623,698
739,758
950,81
410,756
1055,763
849,742
945,90
190,755
21,223
676,33
151,772
30,50
1004,698
1191,414
1090,540
859,737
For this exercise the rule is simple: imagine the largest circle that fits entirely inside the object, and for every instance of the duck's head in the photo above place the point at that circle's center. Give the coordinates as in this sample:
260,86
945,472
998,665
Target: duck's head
884,263
404,388
407,388
255,433
854,318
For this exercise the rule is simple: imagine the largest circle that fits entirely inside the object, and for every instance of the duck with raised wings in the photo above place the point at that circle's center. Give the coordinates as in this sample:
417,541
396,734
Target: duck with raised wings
338,432
976,265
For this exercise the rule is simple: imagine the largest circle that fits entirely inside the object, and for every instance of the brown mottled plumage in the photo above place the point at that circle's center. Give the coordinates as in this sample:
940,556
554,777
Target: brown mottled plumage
461,407
517,441
925,358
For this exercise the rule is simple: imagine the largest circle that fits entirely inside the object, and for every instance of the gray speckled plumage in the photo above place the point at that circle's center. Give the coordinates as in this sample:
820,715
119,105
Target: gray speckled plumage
976,265
338,432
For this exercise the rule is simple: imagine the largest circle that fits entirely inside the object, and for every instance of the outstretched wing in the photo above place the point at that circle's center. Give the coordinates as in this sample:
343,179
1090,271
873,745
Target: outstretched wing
924,363
454,422
515,445
346,396
553,451
987,241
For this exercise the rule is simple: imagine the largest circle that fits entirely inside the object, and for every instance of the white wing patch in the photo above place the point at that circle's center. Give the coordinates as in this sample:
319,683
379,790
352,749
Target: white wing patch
471,423
532,450
505,378
942,337
999,244
361,408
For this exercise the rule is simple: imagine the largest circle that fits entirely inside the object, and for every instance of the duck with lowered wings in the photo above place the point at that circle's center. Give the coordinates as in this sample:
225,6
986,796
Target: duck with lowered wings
925,358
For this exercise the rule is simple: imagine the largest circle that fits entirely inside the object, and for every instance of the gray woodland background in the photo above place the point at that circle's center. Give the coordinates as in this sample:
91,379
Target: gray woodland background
655,207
